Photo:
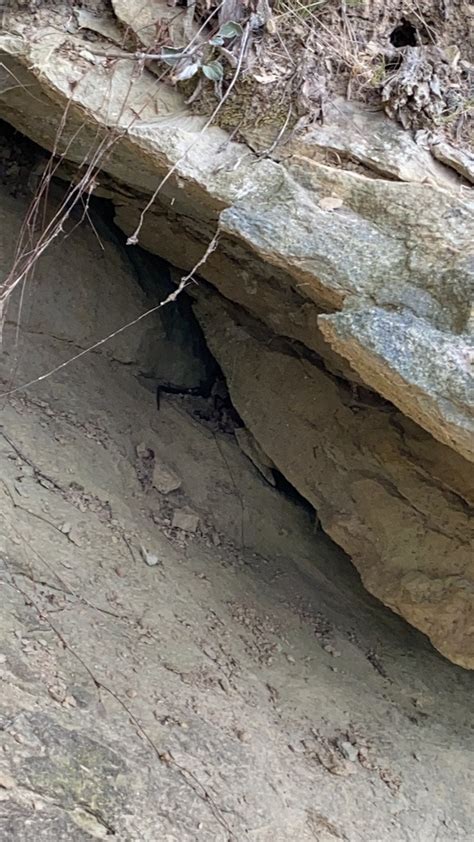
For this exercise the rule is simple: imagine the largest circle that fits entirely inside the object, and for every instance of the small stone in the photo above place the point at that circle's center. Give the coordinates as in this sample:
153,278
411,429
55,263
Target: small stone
6,782
224,684
150,558
57,693
3,658
38,804
164,480
242,735
331,650
349,751
65,528
341,770
330,203
186,520
333,764
297,748
21,491
290,659
88,56
364,759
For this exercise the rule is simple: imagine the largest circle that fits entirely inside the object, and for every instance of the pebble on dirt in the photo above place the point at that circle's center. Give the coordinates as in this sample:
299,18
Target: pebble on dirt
149,557
350,751
185,519
164,479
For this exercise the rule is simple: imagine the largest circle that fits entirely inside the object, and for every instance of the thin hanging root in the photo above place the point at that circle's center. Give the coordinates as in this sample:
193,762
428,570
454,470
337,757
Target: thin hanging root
133,239
185,281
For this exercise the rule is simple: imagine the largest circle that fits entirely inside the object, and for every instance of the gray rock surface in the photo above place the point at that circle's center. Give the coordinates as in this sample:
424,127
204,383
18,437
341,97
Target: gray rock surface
399,355
361,133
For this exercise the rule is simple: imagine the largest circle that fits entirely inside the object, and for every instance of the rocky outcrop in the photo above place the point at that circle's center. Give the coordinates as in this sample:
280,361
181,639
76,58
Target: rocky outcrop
358,260
398,354
383,489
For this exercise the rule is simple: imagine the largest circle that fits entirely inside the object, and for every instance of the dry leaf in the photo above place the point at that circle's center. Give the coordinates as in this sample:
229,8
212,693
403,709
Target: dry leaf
265,78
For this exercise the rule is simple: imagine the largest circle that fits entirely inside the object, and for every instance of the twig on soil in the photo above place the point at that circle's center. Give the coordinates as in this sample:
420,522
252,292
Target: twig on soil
64,586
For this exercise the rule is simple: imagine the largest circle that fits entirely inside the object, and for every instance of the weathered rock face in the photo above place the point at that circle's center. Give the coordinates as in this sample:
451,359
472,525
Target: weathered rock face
384,490
363,269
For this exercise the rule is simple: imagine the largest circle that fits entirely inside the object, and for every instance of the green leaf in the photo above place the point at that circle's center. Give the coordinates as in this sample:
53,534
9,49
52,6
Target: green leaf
231,29
213,70
217,41
187,71
171,55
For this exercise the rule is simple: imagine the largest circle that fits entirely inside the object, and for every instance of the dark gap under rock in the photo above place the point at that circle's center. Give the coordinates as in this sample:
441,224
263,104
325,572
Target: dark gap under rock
404,35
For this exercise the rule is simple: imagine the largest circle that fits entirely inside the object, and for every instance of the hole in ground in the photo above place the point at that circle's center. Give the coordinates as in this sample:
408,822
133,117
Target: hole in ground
404,35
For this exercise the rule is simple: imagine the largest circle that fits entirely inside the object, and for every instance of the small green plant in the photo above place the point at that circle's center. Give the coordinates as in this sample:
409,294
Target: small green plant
188,63
378,75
